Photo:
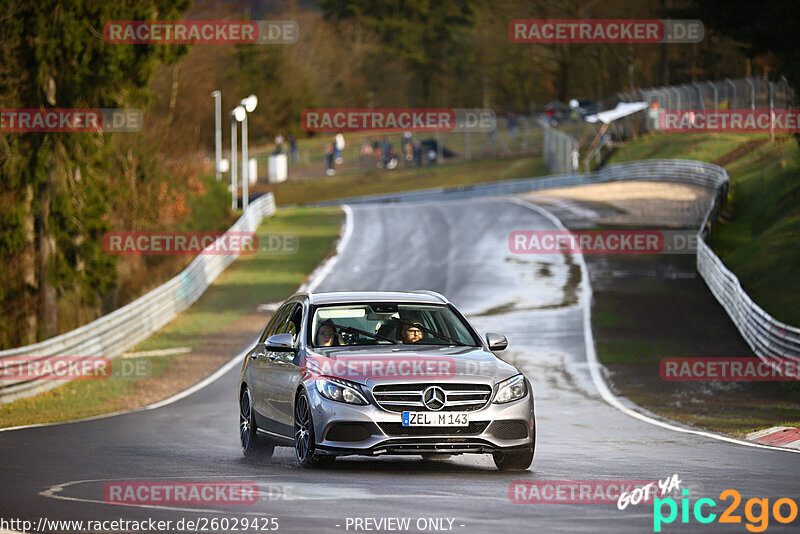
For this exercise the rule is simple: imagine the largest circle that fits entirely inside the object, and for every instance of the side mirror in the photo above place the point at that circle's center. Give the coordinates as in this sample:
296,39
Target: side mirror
280,343
496,341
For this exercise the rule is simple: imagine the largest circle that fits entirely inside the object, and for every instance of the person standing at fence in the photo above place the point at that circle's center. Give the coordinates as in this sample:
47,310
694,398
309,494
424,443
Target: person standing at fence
293,148
376,151
338,147
513,124
329,159
278,144
417,151
366,153
406,148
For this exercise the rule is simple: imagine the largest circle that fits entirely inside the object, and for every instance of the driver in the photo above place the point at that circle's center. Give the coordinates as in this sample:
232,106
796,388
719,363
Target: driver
327,336
411,332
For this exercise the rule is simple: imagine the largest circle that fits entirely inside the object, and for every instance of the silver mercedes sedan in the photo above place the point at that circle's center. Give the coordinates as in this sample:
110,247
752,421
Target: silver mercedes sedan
373,373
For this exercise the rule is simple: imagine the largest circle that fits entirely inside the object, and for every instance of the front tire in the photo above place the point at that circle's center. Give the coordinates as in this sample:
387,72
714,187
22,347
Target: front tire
513,461
304,439
249,439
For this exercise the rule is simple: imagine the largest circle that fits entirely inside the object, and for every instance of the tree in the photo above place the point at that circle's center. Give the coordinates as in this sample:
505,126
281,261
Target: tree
419,32
761,27
53,196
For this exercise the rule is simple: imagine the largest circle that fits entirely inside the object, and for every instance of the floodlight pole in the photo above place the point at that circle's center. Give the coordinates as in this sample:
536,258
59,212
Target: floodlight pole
218,132
234,180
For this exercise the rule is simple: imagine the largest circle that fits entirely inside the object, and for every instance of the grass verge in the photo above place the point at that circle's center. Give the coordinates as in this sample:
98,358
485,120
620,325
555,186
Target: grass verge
640,319
758,237
215,327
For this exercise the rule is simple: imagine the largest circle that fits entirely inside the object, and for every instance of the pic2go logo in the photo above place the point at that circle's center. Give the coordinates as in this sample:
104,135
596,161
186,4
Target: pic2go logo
757,522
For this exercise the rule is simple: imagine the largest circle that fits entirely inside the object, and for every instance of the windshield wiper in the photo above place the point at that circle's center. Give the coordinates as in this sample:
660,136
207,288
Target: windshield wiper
440,336
364,332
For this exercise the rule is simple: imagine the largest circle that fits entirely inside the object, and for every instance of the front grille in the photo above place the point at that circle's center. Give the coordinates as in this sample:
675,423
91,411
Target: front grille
397,429
347,432
408,397
510,430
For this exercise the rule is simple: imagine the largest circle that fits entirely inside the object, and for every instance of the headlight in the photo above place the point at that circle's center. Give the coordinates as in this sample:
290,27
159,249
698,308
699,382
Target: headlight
510,390
340,390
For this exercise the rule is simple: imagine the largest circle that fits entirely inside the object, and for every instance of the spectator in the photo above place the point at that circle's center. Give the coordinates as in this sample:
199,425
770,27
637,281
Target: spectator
329,159
278,144
431,157
513,124
376,151
338,147
417,153
366,153
387,153
293,147
408,152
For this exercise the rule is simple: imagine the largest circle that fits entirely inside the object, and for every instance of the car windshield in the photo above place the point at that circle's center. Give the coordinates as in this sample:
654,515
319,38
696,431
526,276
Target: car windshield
388,324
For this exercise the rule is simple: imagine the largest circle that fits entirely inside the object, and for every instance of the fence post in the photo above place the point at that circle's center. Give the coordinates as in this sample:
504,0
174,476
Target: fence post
752,93
700,101
716,96
731,102
771,87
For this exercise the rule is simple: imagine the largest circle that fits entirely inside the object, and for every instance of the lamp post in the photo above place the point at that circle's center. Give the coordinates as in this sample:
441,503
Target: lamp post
237,115
248,105
217,132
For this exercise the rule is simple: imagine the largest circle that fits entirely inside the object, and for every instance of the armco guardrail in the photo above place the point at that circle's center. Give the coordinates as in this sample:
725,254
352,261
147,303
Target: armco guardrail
769,338
122,329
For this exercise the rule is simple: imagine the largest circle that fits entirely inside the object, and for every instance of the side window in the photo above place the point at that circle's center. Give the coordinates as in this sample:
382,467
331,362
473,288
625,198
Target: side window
293,322
276,321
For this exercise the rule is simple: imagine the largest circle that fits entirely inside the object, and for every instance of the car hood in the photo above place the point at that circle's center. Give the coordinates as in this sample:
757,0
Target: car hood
400,363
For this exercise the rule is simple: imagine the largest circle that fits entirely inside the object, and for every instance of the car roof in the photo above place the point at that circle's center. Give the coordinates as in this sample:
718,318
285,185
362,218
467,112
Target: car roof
344,297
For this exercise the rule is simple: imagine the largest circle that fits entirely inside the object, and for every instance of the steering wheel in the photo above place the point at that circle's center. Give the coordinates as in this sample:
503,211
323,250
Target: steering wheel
350,338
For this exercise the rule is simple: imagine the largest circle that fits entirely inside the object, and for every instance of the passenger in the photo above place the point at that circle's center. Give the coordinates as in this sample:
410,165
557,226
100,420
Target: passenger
327,336
411,332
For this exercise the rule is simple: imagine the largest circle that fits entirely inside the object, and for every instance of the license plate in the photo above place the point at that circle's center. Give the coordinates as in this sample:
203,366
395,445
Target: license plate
435,419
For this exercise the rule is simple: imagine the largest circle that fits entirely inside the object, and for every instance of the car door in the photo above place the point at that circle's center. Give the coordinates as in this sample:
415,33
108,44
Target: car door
283,374
259,366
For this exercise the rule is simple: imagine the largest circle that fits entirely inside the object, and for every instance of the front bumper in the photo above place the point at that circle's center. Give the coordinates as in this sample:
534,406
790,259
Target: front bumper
344,429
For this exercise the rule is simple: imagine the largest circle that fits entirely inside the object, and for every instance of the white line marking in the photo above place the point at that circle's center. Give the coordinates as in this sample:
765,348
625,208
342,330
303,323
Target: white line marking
594,364
316,278
305,493
321,272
